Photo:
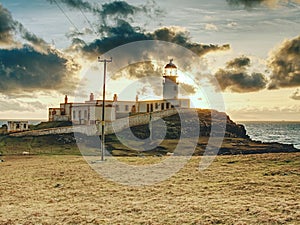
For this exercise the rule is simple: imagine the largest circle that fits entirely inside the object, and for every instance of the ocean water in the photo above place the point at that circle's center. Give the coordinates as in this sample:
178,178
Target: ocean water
282,132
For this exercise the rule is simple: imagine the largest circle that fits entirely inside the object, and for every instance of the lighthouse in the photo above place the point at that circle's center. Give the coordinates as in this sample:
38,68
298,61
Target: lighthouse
170,84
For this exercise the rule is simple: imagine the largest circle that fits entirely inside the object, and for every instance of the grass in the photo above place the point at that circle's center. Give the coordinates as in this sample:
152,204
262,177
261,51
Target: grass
240,189
50,124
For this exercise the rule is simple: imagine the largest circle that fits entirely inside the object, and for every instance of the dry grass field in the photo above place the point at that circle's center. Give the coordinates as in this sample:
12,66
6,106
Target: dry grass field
250,189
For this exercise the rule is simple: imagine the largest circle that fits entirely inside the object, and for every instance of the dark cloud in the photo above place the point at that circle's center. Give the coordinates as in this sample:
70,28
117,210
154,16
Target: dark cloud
240,81
247,4
7,26
10,29
296,95
31,65
124,33
115,29
76,4
119,8
236,78
35,41
285,65
239,63
25,69
112,10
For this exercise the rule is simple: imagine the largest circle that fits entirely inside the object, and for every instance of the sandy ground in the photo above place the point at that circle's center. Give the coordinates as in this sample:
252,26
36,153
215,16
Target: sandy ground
252,189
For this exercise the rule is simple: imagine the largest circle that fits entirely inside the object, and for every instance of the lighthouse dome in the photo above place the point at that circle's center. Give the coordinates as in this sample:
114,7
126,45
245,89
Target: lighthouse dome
170,69
171,65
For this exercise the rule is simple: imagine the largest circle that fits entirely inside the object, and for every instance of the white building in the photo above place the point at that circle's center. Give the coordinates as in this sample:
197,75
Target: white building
90,112
17,126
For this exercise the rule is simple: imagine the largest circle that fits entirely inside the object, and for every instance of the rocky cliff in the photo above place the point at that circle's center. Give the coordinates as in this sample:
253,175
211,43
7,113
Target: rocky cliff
235,138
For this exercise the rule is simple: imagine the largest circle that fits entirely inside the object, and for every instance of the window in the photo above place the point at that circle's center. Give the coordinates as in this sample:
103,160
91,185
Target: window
156,105
17,126
126,108
117,108
79,114
85,114
25,127
74,115
162,106
168,105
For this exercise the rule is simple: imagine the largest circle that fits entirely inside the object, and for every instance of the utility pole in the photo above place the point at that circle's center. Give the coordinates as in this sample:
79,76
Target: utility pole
103,107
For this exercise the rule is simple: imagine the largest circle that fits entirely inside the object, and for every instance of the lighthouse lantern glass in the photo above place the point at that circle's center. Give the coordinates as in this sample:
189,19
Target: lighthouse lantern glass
170,71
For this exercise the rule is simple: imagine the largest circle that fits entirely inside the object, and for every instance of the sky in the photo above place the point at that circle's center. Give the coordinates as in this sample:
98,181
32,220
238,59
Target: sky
247,52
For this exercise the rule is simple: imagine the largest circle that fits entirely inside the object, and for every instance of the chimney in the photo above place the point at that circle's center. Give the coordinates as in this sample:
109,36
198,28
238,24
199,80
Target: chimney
115,98
66,99
91,97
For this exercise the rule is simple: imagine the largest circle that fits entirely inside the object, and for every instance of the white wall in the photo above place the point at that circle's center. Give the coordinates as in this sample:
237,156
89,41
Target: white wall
83,114
14,126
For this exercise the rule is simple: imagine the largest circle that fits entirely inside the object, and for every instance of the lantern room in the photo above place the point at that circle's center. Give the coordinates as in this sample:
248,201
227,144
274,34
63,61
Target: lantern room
170,84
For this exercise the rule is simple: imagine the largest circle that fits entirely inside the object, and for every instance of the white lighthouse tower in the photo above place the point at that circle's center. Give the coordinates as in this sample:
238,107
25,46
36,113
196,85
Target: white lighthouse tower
170,84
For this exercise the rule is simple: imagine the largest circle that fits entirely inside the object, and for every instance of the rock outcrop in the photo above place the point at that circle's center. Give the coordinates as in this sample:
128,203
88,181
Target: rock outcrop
234,136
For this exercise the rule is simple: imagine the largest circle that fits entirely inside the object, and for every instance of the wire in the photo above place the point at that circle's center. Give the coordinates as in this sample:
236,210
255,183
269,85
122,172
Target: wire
62,10
89,22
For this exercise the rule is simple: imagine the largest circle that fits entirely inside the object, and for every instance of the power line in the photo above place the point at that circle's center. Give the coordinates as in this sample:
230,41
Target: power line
89,22
62,10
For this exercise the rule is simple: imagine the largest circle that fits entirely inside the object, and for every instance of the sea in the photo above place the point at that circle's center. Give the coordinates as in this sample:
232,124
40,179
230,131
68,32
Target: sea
282,132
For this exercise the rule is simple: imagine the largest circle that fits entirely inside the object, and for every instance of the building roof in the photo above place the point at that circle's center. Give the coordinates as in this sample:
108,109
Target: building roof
171,65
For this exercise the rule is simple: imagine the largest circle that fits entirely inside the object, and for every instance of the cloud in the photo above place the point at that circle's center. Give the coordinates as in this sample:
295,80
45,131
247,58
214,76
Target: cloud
289,113
247,4
239,63
232,24
211,27
7,104
119,8
10,29
25,70
138,70
31,65
124,33
285,65
187,89
236,78
7,26
116,29
240,81
296,95
115,10
76,4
